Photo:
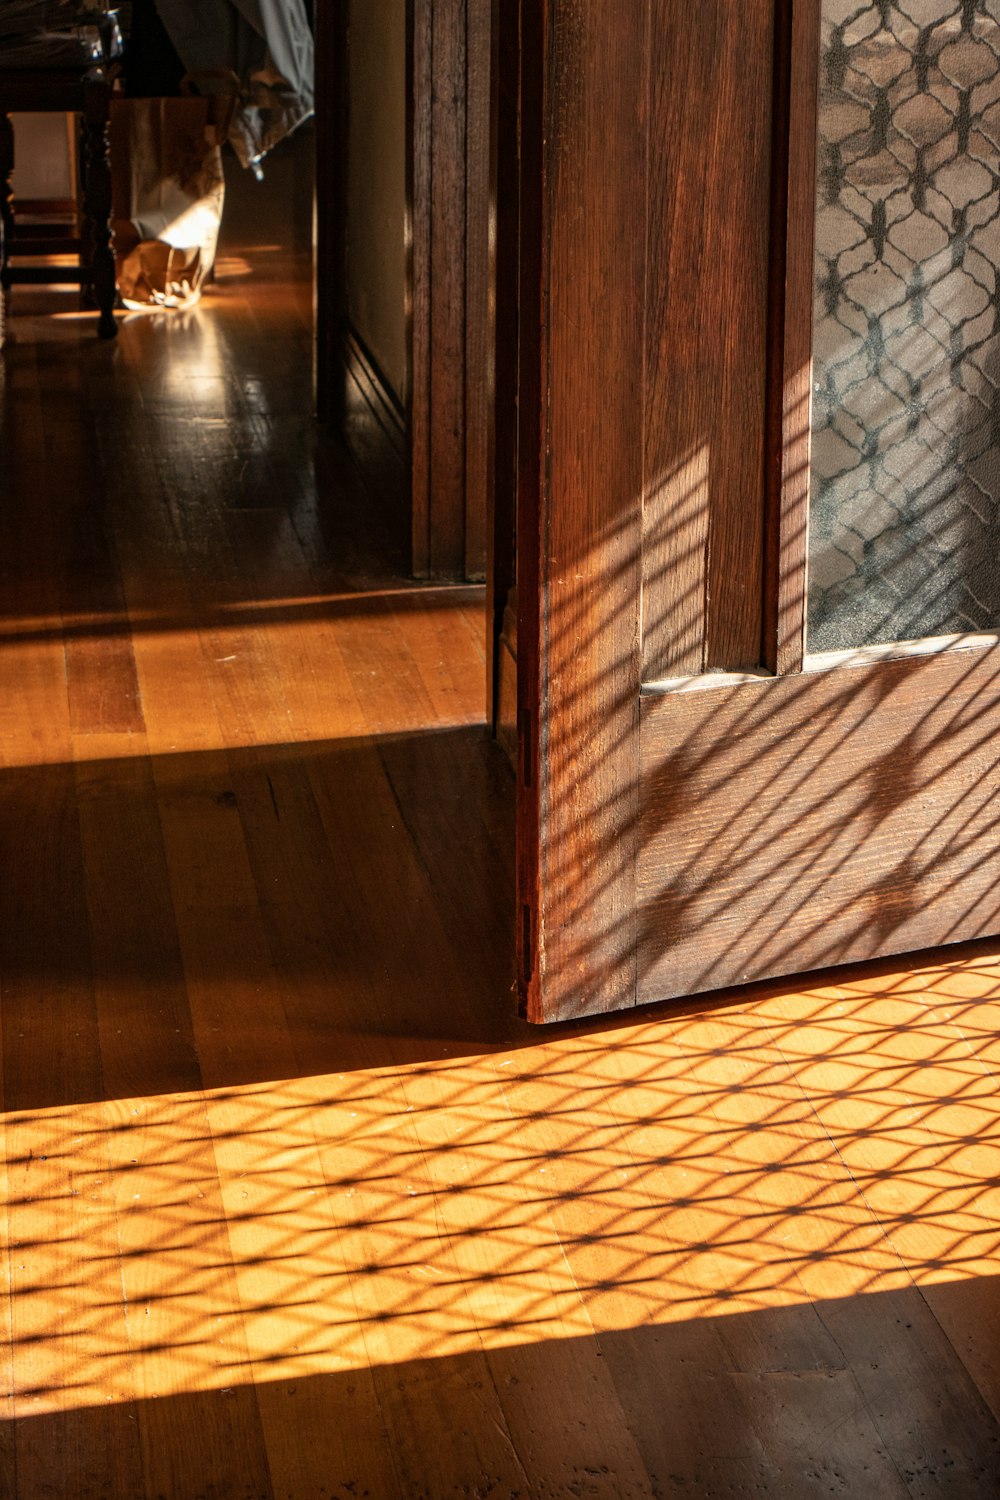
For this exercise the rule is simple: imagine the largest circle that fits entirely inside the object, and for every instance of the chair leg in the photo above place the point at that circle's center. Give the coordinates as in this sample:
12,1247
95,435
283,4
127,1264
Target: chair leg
84,227
97,200
6,212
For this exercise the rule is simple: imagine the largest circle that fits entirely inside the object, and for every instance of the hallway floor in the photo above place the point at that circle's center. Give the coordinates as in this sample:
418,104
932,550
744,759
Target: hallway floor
295,1207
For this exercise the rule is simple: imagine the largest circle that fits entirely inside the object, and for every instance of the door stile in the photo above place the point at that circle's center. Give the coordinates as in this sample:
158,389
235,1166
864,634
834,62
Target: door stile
706,345
802,32
505,241
528,444
580,515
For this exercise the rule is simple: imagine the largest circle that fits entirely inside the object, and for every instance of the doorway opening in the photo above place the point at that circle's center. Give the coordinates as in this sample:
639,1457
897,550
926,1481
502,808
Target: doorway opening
267,742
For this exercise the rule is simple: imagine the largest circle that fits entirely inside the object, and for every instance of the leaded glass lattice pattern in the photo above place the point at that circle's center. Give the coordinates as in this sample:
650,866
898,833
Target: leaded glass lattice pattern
905,511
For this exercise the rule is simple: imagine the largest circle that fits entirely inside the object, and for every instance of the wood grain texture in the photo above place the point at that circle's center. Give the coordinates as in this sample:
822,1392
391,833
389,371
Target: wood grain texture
100,667
420,166
796,822
448,105
440,29
49,1035
502,490
480,280
505,705
527,432
172,1243
752,829
705,297
784,650
655,229
589,508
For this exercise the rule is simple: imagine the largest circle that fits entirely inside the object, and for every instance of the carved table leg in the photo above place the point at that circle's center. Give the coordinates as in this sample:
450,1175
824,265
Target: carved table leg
85,227
6,212
97,199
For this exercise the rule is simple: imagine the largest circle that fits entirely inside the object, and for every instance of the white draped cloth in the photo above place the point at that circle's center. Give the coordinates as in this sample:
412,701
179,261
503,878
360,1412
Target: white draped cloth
266,44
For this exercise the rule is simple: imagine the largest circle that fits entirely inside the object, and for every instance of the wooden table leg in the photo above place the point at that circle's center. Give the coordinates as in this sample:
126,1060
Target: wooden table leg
97,199
6,212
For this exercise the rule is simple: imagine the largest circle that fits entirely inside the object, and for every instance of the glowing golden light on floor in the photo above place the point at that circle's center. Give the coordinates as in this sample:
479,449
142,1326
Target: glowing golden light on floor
816,1144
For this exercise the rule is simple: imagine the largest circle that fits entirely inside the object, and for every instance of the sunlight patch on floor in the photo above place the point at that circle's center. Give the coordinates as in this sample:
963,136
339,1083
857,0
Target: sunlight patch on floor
807,1145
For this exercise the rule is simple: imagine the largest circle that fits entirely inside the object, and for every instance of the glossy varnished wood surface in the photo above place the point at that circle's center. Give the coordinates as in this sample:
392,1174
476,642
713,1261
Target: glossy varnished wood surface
294,1206
450,302
705,308
652,213
794,822
791,372
674,841
580,549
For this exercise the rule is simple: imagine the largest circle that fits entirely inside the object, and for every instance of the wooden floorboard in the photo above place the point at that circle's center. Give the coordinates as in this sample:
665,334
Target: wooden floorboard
295,1207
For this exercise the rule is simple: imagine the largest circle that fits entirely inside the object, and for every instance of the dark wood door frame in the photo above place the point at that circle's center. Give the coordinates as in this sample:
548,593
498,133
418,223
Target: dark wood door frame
331,212
442,441
504,276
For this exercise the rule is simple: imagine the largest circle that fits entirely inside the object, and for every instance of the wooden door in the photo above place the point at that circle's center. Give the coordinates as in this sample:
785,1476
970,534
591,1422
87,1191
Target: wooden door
759,678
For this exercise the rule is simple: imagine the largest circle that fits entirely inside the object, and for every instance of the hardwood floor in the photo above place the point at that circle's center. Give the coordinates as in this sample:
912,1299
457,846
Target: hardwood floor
295,1207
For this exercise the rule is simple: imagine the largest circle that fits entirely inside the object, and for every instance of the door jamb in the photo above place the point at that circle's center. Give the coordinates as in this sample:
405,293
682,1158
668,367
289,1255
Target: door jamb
445,453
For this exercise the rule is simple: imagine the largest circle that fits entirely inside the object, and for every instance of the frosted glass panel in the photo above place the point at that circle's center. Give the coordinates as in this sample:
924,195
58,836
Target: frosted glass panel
904,523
